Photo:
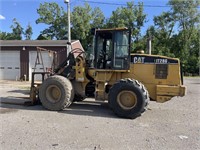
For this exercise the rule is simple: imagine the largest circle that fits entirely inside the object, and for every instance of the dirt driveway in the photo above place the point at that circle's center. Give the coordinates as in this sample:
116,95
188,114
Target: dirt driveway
174,125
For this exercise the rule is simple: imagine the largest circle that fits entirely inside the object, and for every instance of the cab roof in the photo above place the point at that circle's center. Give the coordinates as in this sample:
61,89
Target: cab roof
112,29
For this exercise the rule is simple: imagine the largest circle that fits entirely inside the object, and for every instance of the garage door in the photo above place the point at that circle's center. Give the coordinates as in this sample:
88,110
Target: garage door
9,65
47,61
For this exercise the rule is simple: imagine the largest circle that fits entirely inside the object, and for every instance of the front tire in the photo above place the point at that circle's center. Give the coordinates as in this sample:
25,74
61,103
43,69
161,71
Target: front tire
56,93
128,98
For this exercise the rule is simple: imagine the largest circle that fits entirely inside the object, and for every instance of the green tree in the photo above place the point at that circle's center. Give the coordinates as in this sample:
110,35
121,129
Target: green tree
98,18
187,16
165,24
54,16
28,32
17,31
184,17
162,32
83,19
16,34
43,37
132,16
3,35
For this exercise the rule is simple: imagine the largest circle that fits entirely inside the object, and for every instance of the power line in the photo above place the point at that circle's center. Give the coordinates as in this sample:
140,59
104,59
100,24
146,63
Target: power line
121,4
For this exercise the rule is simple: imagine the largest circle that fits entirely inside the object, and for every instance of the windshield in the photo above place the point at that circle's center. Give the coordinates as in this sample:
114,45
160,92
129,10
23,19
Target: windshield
121,44
112,49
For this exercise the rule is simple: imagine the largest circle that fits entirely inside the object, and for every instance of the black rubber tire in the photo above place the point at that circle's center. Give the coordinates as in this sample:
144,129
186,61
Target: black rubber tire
66,93
132,86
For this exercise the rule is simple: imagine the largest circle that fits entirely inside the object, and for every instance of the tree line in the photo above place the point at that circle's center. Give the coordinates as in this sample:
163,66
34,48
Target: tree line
175,33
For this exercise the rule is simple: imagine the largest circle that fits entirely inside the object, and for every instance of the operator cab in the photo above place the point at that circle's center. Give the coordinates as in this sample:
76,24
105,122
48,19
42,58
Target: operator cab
112,48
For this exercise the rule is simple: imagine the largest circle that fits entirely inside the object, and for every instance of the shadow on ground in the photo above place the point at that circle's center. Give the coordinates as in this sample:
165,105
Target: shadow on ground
25,92
88,108
85,108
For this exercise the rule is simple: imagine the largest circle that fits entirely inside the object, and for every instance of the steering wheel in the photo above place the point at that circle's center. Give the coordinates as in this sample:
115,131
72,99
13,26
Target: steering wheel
102,59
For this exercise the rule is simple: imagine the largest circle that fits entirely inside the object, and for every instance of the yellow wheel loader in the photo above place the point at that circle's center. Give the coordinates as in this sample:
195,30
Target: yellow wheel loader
110,73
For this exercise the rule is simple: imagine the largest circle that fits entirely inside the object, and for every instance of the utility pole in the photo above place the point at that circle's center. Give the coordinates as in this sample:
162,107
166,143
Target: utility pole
69,26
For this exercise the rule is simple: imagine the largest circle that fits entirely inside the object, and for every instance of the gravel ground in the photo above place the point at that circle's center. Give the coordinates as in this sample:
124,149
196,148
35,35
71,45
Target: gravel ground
174,125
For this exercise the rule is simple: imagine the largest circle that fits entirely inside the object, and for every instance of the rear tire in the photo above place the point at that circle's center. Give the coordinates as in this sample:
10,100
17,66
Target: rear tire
128,98
56,93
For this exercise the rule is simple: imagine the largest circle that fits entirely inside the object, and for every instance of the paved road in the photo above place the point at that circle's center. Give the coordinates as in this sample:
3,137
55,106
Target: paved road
174,125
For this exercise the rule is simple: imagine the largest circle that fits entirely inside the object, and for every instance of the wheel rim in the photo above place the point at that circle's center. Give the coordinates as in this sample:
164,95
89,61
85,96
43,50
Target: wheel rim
53,93
127,99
